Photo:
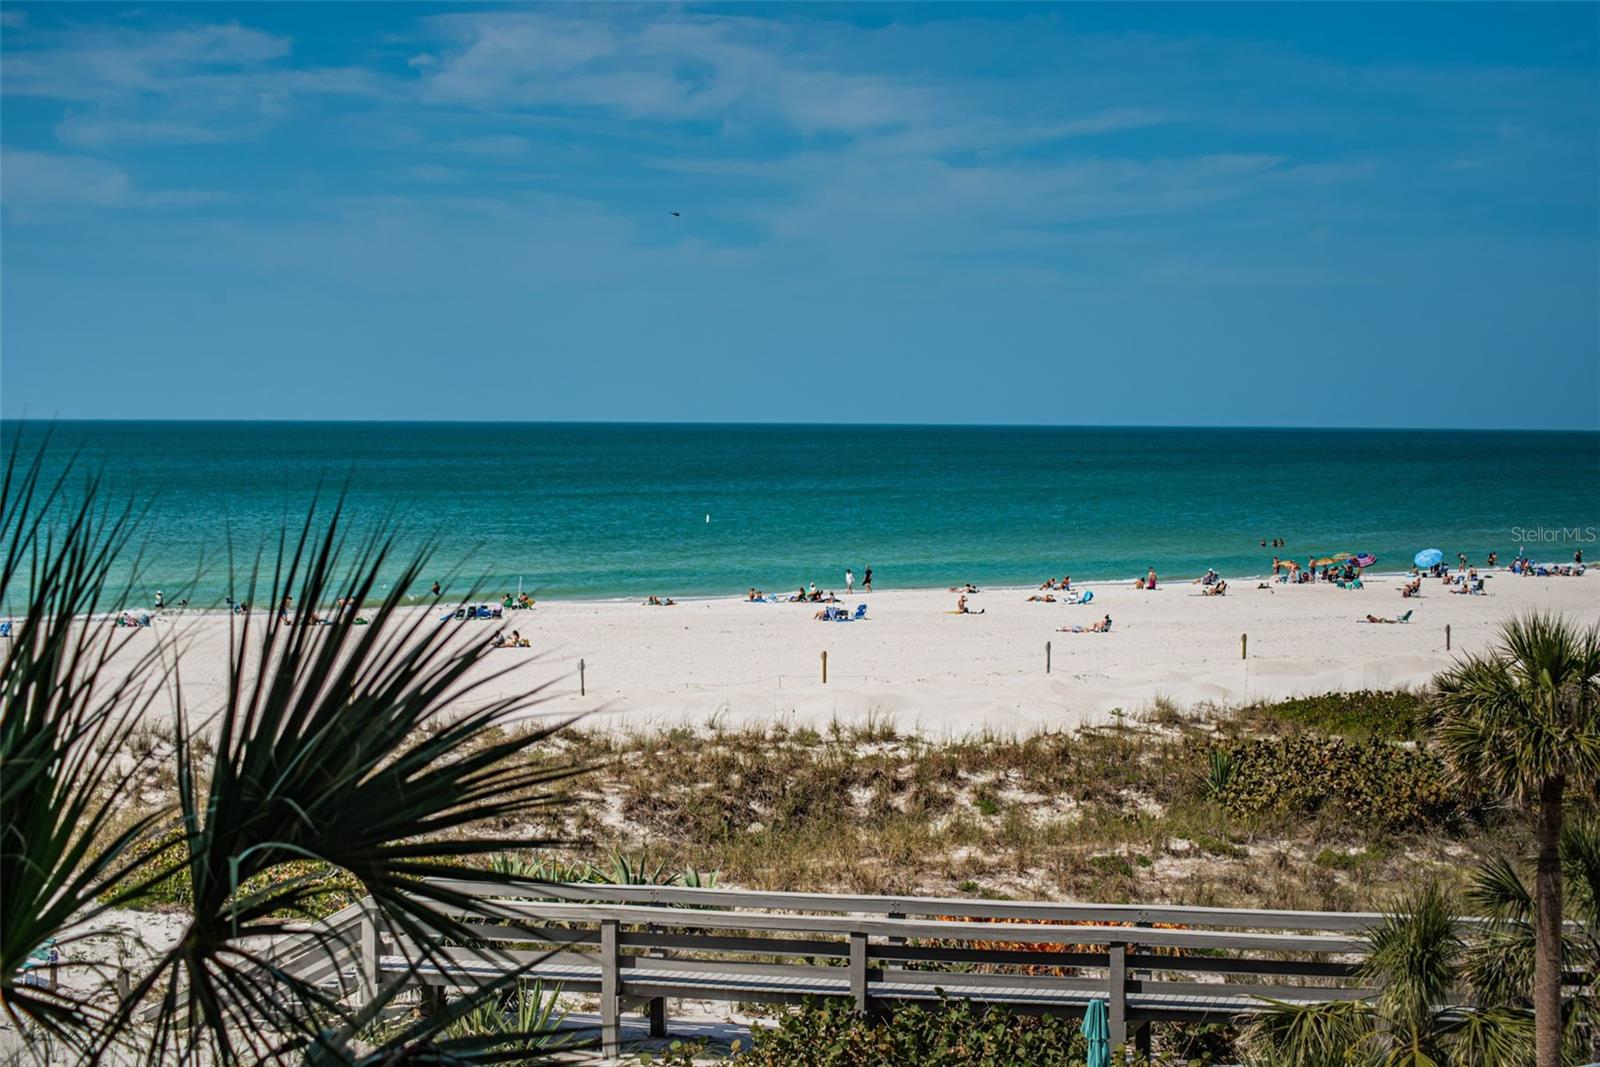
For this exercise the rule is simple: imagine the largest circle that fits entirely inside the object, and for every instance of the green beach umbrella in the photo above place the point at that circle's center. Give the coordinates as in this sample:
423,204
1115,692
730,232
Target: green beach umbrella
1098,1033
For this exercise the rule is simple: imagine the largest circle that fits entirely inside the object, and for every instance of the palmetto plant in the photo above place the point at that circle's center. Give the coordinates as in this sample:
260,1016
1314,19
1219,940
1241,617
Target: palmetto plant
1522,723
363,749
1500,962
1416,958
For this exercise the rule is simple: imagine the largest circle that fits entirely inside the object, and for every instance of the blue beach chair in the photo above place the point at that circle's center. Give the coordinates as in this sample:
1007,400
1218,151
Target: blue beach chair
5,628
861,611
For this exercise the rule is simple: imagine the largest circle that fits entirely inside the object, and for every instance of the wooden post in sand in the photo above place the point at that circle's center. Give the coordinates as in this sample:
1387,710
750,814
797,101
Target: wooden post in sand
1447,637
583,689
824,668
1047,657
1244,645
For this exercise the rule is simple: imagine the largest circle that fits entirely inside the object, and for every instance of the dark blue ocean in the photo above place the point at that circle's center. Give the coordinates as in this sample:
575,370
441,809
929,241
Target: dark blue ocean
620,510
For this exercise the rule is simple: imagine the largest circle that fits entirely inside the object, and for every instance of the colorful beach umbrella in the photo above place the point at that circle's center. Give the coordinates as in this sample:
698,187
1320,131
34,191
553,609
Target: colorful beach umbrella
1096,1029
1365,559
1340,557
1325,561
1427,558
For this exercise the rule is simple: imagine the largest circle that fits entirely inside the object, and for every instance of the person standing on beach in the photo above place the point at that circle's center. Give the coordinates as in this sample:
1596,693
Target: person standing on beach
435,588
849,581
866,580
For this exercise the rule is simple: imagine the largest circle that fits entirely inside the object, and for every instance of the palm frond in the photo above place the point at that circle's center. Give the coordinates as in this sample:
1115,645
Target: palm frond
1412,957
367,749
65,718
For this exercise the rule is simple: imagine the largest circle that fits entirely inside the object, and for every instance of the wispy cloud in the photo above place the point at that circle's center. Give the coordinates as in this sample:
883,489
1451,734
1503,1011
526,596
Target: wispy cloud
32,183
193,84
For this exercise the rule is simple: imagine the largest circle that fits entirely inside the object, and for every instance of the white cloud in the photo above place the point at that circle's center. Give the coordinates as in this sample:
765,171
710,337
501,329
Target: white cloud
35,179
32,183
191,85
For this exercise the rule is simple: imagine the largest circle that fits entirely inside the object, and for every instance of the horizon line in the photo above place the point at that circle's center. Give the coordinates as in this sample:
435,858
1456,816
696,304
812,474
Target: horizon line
692,423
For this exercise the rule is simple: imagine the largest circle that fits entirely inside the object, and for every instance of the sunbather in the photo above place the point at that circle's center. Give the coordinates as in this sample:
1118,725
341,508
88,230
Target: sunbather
1046,599
962,609
1101,627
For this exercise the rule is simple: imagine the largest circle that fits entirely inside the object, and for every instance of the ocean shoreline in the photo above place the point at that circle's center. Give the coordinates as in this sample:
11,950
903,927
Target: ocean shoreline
192,611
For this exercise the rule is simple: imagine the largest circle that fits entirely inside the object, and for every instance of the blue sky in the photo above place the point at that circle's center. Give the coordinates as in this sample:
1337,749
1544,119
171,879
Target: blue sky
1344,215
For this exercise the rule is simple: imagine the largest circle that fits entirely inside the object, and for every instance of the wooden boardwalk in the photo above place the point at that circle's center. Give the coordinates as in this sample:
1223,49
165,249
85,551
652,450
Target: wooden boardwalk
641,946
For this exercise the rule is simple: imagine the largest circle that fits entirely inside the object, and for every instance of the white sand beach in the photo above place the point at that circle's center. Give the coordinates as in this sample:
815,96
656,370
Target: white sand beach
943,674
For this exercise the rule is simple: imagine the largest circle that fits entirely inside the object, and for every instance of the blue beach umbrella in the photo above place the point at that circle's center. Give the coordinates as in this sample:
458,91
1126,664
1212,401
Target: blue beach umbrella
1098,1032
1428,557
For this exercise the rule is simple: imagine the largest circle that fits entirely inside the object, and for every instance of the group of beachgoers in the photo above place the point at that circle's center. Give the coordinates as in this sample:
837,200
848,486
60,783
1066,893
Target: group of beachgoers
1211,583
511,640
1288,571
654,601
802,595
1527,568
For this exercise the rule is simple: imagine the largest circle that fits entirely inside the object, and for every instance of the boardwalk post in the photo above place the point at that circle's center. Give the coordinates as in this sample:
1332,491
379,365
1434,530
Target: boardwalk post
1047,657
824,668
610,992
1117,995
658,1016
858,970
1447,637
1244,645
895,940
368,951
583,689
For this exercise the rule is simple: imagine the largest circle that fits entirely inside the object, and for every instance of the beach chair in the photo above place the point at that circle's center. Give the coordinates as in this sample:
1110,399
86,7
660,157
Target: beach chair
5,629
1406,617
1088,595
861,611
499,613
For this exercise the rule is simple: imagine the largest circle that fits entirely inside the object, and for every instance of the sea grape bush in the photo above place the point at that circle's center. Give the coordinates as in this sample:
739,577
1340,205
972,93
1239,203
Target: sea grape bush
1372,781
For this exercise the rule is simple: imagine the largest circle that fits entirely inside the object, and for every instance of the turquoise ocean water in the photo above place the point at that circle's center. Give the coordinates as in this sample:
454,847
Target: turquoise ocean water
620,510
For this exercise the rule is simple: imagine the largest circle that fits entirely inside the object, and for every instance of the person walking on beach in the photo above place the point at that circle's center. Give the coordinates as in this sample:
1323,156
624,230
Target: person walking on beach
866,580
849,581
435,588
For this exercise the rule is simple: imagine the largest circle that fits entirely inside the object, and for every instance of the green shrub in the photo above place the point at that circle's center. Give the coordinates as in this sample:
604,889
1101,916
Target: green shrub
831,1034
333,888
1373,781
1393,714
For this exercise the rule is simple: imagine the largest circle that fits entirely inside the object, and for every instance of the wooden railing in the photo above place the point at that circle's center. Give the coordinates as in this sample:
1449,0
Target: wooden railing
637,946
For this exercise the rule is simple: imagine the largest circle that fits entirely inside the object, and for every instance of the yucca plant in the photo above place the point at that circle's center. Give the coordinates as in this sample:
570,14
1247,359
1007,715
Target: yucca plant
368,750
1522,723
1415,959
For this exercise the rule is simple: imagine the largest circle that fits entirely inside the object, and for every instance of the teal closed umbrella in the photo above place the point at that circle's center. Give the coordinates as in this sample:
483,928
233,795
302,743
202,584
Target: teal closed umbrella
1098,1032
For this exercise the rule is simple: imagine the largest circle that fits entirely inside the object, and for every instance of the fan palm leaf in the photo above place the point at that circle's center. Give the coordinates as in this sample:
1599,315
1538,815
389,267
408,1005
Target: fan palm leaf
65,723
